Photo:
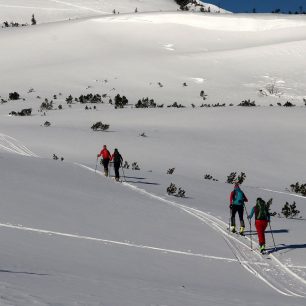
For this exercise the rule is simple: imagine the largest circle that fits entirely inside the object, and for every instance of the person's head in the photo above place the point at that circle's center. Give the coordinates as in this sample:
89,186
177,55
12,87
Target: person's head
104,146
259,201
116,150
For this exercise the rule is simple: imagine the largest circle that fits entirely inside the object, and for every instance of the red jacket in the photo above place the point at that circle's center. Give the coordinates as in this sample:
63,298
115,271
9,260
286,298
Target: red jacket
105,154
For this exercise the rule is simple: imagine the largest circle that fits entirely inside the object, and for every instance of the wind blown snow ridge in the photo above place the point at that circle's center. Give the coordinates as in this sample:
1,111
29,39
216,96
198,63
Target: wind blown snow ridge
12,145
278,277
120,243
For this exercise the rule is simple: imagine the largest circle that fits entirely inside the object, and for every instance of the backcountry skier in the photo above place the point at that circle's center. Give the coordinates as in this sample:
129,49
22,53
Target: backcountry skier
117,159
237,200
262,218
106,156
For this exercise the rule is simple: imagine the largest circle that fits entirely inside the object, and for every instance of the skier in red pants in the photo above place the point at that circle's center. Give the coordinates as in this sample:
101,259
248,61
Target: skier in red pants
262,218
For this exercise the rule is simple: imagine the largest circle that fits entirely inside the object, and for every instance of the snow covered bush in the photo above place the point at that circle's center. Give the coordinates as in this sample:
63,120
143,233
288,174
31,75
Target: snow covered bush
120,102
14,95
99,126
210,178
46,105
288,104
55,157
299,188
176,105
69,99
47,124
172,190
247,103
147,103
135,166
90,98
170,171
203,95
290,211
23,112
33,20
126,165
233,178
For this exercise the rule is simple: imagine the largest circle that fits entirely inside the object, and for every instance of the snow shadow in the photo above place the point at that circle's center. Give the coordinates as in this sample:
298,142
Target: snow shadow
289,247
278,231
21,272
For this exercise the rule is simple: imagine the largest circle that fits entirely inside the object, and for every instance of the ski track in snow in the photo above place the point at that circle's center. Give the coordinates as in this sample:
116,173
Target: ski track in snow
36,7
122,243
12,145
80,7
272,272
277,275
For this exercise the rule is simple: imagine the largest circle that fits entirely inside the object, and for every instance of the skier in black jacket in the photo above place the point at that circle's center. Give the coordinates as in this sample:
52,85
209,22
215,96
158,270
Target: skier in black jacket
117,159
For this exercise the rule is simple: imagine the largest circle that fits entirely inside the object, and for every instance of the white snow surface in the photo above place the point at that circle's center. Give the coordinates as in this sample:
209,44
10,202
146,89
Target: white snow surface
69,236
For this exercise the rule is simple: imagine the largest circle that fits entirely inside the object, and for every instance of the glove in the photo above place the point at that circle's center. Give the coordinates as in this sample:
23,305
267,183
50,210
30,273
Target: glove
249,217
231,206
97,155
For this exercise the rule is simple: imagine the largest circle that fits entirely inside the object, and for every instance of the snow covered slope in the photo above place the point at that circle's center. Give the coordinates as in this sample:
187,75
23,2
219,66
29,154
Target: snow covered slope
72,237
55,10
75,238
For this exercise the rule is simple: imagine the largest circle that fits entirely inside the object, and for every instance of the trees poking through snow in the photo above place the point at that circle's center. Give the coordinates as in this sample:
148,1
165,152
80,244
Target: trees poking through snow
170,171
233,178
247,103
99,126
290,211
120,102
14,95
298,188
33,20
172,190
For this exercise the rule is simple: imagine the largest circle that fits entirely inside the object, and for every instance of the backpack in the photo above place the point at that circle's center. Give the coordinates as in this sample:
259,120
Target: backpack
117,157
238,197
261,210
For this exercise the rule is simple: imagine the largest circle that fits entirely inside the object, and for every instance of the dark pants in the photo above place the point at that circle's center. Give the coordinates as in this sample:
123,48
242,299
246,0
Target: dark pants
116,168
105,163
234,210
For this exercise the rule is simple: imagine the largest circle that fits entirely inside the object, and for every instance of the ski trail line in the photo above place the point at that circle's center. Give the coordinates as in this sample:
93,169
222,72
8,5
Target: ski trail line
279,277
12,145
81,7
122,243
35,7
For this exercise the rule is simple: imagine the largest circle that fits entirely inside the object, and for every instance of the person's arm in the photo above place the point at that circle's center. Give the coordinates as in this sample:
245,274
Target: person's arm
232,198
100,154
245,198
252,213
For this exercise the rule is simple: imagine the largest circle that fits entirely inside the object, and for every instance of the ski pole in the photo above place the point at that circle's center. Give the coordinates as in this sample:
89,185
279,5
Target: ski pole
272,236
123,173
96,165
250,222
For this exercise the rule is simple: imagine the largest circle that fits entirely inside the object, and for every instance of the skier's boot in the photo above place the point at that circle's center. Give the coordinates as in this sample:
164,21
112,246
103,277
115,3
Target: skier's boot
117,179
233,229
241,231
105,172
262,249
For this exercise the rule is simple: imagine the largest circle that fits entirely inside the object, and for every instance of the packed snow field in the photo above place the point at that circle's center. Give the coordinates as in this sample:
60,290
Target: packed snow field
69,235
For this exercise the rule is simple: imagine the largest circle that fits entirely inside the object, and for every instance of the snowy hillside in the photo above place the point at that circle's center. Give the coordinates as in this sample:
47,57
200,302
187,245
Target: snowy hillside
55,10
72,237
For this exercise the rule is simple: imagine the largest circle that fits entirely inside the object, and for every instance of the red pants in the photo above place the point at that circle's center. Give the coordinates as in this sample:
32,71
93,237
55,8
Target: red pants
261,226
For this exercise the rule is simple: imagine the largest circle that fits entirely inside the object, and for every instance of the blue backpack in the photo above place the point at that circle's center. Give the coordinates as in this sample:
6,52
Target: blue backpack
238,197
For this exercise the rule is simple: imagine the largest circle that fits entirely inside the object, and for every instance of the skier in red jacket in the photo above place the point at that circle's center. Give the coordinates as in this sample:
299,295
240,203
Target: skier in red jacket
106,156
